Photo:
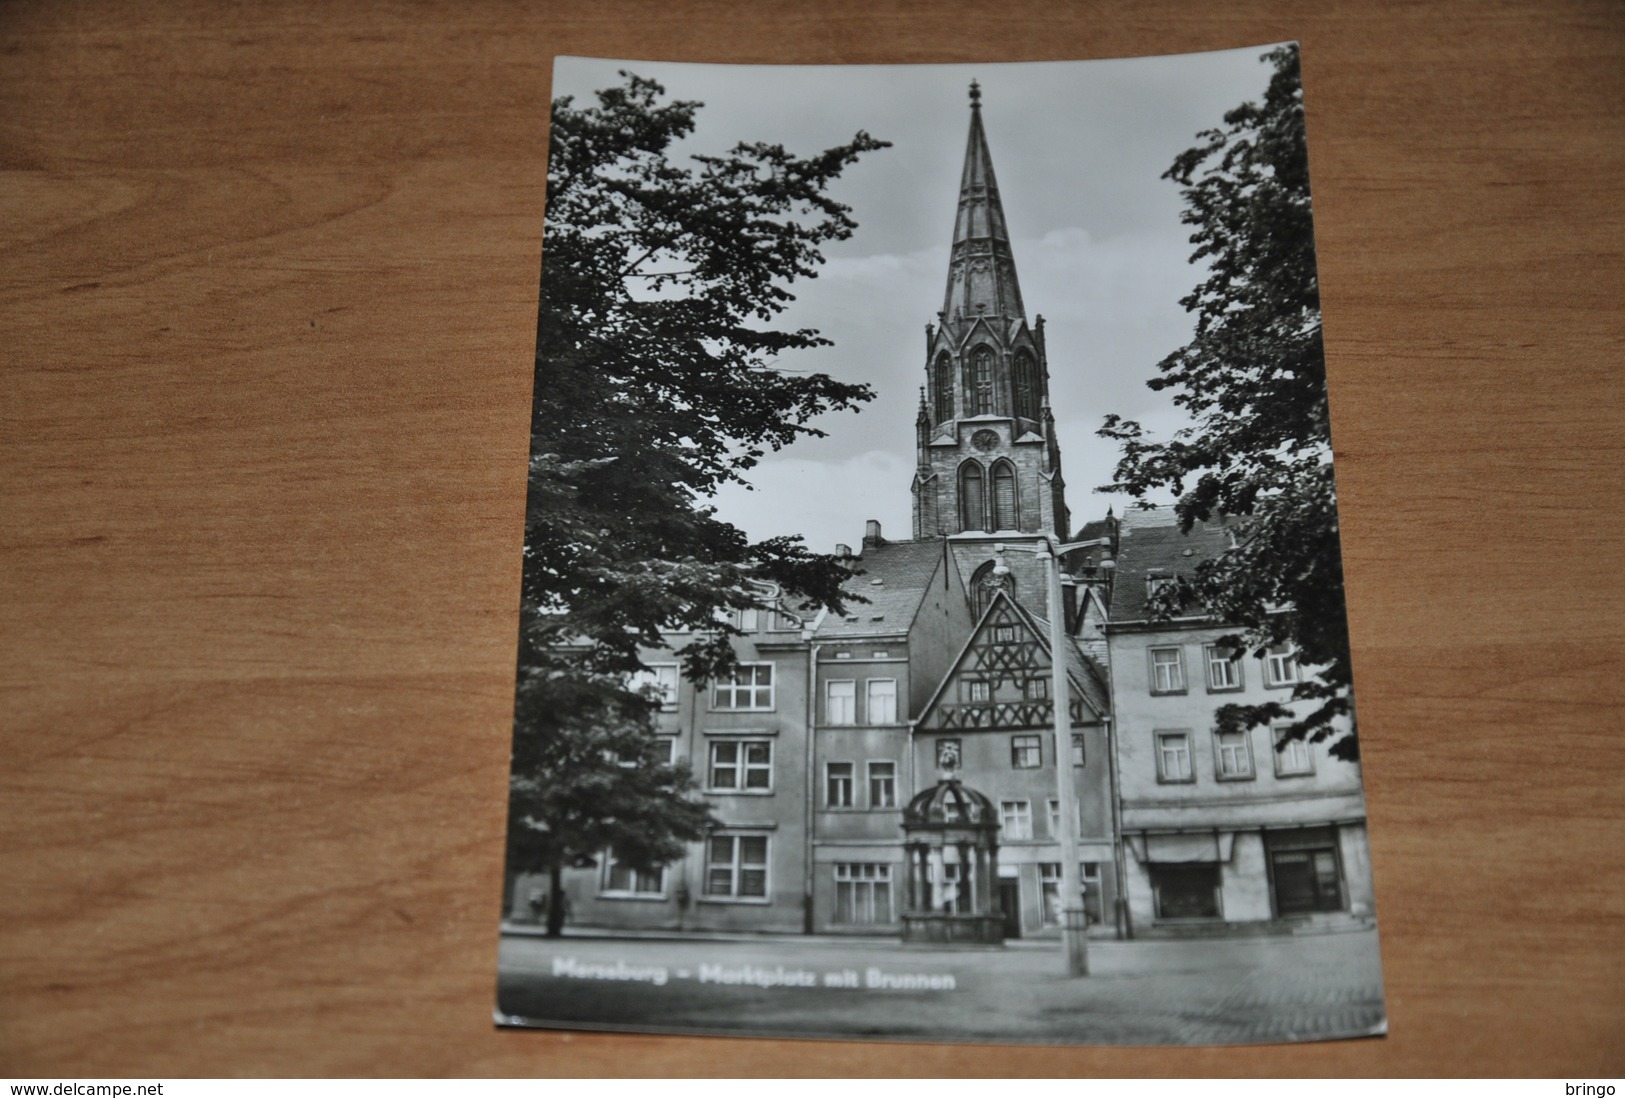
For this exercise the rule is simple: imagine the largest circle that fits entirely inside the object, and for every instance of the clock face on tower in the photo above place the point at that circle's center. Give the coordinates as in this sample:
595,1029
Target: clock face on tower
985,439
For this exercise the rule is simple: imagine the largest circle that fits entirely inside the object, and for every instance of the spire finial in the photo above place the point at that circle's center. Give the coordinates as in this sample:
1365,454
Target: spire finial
975,96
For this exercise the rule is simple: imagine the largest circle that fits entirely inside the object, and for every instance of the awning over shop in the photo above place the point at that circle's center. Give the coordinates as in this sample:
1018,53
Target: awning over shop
1198,846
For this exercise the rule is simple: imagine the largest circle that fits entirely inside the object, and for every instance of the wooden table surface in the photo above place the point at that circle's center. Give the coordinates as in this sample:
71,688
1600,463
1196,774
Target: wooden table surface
267,296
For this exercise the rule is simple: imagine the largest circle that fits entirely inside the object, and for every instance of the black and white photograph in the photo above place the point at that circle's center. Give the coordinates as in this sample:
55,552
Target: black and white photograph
932,622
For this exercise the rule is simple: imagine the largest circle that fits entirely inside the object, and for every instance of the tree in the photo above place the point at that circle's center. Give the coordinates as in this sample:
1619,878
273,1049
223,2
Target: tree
655,384
1253,380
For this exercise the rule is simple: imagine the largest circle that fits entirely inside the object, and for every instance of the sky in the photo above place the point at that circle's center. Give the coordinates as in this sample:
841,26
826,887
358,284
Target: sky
1079,149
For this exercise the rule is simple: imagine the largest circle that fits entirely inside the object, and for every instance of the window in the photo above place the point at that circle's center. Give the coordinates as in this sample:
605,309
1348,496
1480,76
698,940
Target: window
1026,379
972,499
1280,666
981,382
666,753
862,894
1077,749
749,687
1016,820
838,785
1185,890
840,702
882,785
1174,757
945,389
1233,751
1004,497
1055,817
1026,752
1156,584
882,701
948,755
1223,669
1306,881
658,680
742,766
1049,882
624,880
977,690
1293,757
1037,689
750,619
1004,634
1167,671
736,866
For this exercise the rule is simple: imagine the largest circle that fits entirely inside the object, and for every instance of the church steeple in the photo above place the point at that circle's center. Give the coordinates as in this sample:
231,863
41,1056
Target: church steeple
981,268
988,460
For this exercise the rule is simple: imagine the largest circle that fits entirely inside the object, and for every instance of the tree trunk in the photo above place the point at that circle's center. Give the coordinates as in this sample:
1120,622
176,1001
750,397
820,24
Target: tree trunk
555,901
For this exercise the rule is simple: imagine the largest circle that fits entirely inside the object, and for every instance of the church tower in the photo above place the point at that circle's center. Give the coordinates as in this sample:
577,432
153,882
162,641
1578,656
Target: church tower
989,467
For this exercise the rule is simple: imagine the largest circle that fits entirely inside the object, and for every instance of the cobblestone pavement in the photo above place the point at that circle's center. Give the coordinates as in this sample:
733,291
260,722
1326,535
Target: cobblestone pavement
1210,991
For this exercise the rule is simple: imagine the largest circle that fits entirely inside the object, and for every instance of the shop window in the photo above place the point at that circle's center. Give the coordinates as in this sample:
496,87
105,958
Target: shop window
863,894
1185,891
1049,882
1306,881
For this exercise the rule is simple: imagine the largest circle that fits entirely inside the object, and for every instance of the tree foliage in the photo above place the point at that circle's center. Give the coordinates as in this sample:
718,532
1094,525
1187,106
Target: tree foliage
1253,381
655,384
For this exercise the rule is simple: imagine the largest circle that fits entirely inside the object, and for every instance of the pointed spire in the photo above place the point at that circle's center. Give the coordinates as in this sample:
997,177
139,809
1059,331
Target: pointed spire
981,269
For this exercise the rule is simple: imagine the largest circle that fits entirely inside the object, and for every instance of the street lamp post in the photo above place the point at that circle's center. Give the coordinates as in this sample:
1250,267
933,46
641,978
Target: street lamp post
1074,920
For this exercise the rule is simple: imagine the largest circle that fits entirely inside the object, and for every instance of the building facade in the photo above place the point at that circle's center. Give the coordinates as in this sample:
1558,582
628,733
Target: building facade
941,666
1221,830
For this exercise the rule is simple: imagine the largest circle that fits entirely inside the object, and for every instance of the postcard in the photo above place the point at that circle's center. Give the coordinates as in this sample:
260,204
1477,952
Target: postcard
932,622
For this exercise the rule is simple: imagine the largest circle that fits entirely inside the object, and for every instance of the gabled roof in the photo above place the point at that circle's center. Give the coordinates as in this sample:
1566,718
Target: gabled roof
1087,680
1085,675
895,577
1150,545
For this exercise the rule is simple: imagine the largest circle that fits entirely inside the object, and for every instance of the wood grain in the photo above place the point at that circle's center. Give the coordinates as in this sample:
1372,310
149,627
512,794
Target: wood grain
268,282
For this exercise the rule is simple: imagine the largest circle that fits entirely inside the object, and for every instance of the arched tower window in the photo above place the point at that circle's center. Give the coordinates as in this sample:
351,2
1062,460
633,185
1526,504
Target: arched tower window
984,584
972,497
1005,513
1026,385
944,382
981,382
